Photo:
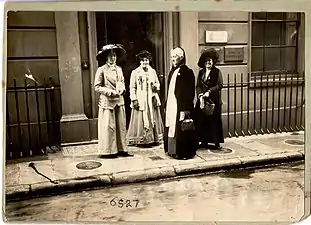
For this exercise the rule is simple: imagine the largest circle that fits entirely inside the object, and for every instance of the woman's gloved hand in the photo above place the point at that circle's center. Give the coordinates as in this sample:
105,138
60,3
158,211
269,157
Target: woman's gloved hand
153,88
201,102
135,104
114,94
207,94
183,115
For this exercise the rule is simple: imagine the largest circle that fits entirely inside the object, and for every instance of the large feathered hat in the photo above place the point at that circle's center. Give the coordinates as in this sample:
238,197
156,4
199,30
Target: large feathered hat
103,52
209,53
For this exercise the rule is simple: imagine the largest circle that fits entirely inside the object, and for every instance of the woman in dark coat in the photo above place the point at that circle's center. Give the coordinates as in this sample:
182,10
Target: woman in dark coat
209,85
179,106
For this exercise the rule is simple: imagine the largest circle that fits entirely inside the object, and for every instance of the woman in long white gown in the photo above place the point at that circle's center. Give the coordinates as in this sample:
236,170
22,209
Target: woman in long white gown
146,126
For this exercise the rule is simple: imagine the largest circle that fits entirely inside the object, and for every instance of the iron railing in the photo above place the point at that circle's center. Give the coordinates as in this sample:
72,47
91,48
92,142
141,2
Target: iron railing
32,121
267,103
270,103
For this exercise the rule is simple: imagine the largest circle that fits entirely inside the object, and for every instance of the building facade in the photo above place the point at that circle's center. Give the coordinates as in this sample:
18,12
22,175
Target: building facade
59,49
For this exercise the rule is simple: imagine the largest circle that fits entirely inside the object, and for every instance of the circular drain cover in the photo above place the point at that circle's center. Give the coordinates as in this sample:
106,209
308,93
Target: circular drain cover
294,142
222,151
89,165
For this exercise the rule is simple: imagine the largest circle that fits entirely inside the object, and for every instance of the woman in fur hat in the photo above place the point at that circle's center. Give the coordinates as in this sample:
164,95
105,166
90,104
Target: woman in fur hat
146,125
109,83
209,85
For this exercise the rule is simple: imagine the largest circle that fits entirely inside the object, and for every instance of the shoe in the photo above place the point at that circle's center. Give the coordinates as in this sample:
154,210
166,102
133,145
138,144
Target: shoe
125,154
202,145
108,156
174,156
217,146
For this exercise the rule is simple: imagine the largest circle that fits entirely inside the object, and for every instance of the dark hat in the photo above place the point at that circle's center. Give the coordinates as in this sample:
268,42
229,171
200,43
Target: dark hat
209,53
103,52
144,54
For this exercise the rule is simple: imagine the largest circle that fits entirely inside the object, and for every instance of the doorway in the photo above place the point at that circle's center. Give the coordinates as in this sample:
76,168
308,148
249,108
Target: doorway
136,31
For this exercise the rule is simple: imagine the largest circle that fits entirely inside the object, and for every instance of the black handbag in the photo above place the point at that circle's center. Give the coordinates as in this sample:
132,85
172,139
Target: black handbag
187,124
209,107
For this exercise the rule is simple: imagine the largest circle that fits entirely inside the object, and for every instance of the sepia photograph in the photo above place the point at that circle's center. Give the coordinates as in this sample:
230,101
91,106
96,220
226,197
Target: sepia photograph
160,116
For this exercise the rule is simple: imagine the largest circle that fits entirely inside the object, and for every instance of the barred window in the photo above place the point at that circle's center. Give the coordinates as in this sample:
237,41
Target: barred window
274,42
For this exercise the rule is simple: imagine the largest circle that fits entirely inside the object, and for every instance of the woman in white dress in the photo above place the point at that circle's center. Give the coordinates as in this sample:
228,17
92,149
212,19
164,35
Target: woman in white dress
146,126
109,82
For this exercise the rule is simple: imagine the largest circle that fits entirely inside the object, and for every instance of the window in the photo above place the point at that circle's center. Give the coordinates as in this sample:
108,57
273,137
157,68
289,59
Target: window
274,42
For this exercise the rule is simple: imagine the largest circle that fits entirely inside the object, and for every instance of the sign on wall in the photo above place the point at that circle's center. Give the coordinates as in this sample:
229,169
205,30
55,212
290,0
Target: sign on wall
234,54
216,36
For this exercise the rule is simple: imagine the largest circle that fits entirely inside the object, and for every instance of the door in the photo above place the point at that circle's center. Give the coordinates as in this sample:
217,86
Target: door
136,31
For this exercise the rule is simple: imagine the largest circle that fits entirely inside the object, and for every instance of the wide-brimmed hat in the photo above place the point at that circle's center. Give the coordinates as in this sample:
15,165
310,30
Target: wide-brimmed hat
144,54
209,53
103,52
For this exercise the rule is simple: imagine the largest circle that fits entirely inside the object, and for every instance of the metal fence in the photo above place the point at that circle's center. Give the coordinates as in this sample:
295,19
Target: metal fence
32,122
266,103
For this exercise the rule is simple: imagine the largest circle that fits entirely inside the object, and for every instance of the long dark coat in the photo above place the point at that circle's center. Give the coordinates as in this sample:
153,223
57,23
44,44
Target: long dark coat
209,128
185,92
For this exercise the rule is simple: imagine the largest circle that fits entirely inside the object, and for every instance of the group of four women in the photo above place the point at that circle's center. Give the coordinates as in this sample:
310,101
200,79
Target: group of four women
146,125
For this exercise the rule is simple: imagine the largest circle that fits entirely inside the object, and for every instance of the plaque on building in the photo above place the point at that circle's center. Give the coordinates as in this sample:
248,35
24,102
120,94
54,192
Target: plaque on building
216,36
234,54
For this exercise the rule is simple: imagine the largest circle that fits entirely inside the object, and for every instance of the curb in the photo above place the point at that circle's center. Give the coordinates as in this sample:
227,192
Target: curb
21,192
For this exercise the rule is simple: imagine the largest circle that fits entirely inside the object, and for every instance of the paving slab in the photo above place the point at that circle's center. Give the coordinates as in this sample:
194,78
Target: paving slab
12,174
109,166
80,150
170,161
29,176
272,145
147,163
237,150
281,144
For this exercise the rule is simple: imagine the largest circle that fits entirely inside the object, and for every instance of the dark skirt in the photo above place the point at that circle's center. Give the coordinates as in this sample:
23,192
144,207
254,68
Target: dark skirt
209,128
183,145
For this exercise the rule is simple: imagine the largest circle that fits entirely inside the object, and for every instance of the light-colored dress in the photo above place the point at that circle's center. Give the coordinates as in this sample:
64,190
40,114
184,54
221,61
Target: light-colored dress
146,126
111,115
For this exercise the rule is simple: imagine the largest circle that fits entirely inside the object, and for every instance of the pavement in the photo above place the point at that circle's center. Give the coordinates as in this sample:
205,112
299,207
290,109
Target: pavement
63,173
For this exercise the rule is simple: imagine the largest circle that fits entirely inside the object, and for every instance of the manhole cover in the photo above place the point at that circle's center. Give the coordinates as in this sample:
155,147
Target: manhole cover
153,158
222,151
294,142
89,165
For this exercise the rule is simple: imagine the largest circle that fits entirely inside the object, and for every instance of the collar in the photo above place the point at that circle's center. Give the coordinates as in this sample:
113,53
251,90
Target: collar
111,67
140,69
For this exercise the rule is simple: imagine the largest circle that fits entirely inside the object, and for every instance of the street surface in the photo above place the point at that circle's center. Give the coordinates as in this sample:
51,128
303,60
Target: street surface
271,194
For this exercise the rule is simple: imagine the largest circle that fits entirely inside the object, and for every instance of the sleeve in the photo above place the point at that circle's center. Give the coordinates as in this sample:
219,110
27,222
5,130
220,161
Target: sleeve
186,103
121,87
133,86
156,81
199,85
99,78
219,84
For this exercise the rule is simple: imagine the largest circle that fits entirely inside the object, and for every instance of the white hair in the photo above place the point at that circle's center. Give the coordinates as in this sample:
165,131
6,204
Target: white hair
177,52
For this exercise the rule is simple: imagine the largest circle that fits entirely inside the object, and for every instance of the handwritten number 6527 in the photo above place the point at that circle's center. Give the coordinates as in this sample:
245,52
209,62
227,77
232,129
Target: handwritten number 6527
123,203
